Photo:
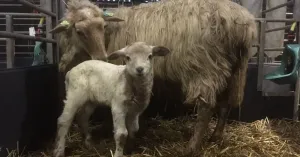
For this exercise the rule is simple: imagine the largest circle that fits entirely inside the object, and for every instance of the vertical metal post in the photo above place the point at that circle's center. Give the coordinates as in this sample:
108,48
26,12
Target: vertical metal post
46,4
57,11
10,43
296,10
261,57
296,99
62,9
296,15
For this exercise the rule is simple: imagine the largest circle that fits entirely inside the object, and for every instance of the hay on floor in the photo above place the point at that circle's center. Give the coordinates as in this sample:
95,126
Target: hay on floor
168,138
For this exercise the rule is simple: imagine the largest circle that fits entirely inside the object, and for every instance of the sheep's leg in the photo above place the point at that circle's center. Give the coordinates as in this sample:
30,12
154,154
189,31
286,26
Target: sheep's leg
83,122
72,104
120,131
204,115
222,117
132,122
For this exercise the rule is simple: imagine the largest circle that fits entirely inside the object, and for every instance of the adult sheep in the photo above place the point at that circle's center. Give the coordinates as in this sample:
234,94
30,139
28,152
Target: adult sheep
210,42
81,33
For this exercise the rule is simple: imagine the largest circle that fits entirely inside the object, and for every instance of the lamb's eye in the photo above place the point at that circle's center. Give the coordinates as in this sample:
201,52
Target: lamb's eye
127,58
150,56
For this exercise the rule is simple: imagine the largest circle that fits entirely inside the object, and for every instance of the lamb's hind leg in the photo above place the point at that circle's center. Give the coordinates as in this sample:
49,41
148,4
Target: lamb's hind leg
72,103
223,111
204,115
83,122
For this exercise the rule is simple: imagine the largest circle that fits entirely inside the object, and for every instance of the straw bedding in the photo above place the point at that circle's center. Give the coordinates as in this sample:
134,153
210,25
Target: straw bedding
264,138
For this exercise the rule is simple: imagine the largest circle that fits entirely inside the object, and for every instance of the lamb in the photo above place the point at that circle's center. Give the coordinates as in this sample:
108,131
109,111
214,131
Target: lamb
124,88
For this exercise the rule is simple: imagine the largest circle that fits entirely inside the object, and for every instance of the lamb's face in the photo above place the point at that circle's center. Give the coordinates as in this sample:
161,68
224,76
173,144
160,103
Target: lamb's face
138,57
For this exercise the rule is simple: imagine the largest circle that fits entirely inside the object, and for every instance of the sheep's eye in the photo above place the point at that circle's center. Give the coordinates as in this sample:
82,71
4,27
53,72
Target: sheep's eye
127,58
150,56
79,32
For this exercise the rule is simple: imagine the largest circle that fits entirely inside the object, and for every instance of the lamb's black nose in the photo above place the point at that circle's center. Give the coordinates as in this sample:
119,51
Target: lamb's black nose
139,69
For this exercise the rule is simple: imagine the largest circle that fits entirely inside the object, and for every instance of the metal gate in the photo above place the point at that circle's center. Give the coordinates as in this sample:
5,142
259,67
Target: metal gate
45,10
261,61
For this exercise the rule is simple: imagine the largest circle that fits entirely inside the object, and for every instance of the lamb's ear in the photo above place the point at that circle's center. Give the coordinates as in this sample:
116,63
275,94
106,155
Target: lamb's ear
64,25
117,54
159,50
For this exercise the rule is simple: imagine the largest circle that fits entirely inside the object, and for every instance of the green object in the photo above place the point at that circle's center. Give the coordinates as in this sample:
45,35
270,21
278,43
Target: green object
287,73
108,14
39,56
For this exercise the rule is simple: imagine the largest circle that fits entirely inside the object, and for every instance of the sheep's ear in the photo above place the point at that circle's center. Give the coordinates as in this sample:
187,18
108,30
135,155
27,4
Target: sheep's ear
159,50
117,54
64,25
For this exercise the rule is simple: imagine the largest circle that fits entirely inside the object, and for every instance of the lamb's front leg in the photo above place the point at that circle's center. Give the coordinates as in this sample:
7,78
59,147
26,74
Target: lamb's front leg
132,123
120,131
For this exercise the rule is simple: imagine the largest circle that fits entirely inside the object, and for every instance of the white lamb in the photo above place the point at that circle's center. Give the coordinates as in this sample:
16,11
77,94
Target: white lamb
125,88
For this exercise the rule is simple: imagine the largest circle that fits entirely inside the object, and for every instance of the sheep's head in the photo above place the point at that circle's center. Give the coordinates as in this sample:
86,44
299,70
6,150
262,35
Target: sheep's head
138,57
84,25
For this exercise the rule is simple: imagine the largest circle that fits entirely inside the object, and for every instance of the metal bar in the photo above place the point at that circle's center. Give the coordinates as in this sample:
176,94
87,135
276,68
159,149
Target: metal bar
24,18
24,2
296,99
57,9
46,4
29,46
23,25
261,56
275,20
5,34
11,5
296,10
297,91
278,29
289,3
62,9
274,49
10,43
23,14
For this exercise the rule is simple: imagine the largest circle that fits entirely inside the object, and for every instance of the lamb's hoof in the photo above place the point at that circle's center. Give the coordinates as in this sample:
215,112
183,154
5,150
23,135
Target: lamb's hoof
88,143
128,150
58,153
129,147
192,149
119,155
215,138
188,151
